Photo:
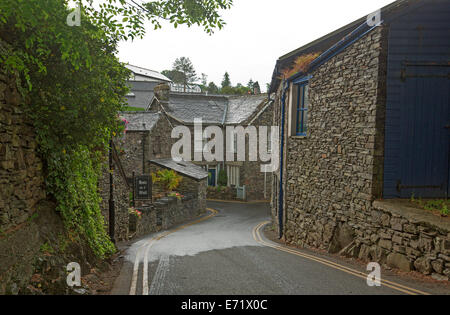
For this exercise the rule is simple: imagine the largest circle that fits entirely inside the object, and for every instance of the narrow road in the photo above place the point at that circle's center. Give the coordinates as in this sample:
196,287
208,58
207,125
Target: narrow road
226,253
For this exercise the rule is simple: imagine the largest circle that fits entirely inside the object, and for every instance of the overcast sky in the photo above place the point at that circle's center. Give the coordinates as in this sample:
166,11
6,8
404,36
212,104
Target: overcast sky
256,34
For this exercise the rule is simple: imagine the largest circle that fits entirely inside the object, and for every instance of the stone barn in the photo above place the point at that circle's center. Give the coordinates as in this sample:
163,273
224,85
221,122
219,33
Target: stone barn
364,117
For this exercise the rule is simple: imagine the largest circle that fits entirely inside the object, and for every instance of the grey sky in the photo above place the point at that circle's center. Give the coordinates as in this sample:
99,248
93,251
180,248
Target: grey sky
256,34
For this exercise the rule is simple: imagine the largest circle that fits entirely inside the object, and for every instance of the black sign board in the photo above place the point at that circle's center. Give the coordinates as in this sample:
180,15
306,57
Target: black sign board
143,187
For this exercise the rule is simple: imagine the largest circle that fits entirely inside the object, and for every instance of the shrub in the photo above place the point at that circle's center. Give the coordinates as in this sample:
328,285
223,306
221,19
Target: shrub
167,179
223,178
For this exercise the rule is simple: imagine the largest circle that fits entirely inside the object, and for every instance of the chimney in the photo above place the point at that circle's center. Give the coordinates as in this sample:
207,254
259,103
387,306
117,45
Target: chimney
256,88
162,92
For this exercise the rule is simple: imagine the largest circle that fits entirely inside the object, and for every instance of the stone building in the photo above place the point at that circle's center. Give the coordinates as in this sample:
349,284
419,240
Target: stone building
147,137
222,111
142,83
362,121
193,184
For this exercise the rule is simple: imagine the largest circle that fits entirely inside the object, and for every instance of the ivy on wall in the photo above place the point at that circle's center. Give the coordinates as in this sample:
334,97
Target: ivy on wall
73,85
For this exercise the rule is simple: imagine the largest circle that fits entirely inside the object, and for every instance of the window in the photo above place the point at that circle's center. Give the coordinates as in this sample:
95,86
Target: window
302,110
269,141
233,175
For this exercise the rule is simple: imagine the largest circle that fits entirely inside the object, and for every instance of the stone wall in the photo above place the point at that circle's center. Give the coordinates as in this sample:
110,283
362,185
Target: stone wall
334,174
28,221
21,176
188,187
167,212
258,184
136,148
221,193
331,170
121,199
133,149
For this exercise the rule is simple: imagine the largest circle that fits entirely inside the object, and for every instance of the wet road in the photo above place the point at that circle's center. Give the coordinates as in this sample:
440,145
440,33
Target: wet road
226,253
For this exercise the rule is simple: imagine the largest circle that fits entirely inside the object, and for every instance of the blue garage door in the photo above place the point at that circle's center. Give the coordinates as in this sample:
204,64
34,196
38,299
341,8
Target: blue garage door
425,133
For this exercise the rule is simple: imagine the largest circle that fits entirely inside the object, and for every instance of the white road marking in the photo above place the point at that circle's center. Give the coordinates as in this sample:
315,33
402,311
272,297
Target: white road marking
145,274
160,274
164,261
134,278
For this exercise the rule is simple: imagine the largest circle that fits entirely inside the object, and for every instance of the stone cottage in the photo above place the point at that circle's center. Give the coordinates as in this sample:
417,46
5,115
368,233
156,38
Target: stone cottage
147,137
222,111
363,113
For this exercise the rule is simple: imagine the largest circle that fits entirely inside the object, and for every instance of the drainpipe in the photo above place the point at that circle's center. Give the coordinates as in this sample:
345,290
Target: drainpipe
144,140
280,195
224,132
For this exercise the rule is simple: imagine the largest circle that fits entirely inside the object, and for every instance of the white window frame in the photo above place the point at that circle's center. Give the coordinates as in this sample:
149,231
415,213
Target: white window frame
233,175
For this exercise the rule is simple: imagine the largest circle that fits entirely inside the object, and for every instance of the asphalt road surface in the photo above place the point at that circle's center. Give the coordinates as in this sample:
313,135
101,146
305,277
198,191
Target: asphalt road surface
226,253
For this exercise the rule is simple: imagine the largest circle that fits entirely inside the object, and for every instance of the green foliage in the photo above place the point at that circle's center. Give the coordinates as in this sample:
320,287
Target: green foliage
228,89
185,67
133,109
174,75
440,205
213,88
73,179
222,180
204,13
73,86
46,248
169,180
226,82
34,216
72,103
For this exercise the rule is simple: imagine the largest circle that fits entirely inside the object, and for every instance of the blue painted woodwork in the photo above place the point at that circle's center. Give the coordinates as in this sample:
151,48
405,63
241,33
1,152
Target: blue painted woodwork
417,108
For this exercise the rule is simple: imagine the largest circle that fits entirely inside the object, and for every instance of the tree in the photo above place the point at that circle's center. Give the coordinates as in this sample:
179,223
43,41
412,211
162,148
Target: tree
226,80
175,76
185,67
203,13
204,79
73,87
250,84
213,88
204,83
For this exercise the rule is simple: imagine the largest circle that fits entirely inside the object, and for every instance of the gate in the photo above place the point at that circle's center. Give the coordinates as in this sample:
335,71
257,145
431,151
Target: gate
425,133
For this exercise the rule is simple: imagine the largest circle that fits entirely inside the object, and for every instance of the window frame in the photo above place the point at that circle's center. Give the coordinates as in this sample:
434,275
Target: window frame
233,175
301,122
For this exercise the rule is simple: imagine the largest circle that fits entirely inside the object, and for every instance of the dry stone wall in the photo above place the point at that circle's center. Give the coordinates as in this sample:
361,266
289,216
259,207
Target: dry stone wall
334,174
21,176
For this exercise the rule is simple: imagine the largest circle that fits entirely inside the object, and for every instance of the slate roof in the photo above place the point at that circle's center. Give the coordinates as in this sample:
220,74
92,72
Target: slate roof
212,108
147,73
141,121
187,107
188,169
141,93
241,108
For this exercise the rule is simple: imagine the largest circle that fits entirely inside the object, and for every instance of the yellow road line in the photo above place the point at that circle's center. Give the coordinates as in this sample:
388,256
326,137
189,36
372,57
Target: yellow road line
135,273
149,244
390,284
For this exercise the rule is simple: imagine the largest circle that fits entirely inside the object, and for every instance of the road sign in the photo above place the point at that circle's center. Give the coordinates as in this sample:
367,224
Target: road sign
143,187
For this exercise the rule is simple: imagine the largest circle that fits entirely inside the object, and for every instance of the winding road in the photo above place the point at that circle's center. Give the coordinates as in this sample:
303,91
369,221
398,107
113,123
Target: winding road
226,253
